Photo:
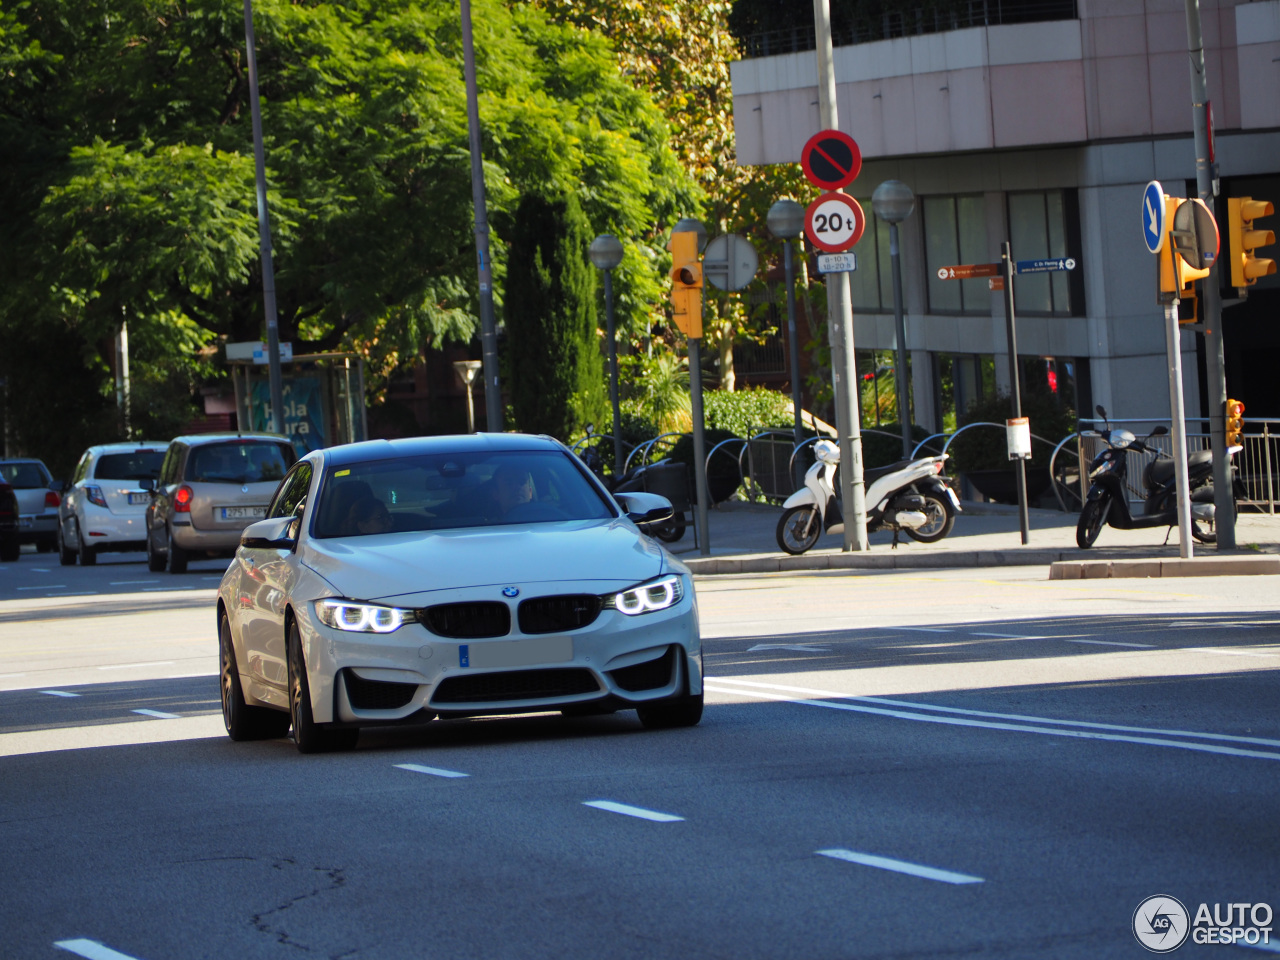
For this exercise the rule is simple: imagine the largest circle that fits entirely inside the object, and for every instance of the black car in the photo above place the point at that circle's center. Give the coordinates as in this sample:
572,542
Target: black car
10,547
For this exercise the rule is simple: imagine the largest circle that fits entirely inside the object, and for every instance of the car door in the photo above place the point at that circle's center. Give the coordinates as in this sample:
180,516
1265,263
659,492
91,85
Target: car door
267,576
158,510
72,498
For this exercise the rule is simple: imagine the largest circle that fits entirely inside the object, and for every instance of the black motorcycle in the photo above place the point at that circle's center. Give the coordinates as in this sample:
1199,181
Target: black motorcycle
640,479
1108,499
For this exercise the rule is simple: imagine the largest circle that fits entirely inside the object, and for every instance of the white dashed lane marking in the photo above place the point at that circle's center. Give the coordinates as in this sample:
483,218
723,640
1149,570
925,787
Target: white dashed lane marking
900,866
158,715
59,693
430,771
630,811
126,666
1111,643
91,950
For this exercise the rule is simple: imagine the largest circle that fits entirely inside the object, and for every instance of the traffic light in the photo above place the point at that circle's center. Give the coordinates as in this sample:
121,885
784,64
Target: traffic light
1177,278
686,284
1235,422
1245,267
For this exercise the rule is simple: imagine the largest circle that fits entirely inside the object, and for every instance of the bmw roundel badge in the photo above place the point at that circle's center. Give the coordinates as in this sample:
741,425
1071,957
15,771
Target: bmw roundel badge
511,591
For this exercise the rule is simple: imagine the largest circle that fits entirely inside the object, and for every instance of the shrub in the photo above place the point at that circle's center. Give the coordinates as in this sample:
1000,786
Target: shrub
985,449
744,412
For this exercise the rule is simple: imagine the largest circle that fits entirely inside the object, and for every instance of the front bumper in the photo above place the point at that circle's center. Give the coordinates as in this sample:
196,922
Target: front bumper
385,678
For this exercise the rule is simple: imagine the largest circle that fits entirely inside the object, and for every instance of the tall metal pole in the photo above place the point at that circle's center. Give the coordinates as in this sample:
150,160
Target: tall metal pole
122,378
488,327
613,374
793,344
1180,471
264,231
900,375
699,445
1006,268
1215,373
840,323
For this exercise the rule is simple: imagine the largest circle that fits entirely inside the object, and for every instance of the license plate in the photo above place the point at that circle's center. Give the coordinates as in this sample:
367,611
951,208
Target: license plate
136,498
243,513
24,521
516,653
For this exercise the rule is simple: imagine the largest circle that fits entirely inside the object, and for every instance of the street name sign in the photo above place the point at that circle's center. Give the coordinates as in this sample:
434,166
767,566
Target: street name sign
831,159
1044,266
837,262
1153,216
967,271
834,222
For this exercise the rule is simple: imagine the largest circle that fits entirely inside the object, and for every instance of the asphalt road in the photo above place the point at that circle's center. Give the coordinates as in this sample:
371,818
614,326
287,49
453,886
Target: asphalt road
967,763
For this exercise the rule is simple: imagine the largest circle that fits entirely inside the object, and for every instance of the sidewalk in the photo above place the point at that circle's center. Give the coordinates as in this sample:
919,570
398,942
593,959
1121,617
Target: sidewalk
985,535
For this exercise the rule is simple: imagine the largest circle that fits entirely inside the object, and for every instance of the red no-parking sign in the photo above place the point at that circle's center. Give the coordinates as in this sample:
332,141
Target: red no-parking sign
831,159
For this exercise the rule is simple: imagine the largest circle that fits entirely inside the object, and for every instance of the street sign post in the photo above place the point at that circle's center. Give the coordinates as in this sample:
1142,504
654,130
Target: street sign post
1044,266
730,262
967,271
831,159
834,222
837,262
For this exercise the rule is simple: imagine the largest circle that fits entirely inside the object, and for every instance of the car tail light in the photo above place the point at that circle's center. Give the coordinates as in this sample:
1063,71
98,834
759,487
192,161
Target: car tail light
94,494
182,499
51,499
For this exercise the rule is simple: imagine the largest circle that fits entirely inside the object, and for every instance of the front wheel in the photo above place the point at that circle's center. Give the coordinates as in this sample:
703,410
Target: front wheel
66,556
309,736
88,555
155,561
1092,519
799,529
684,712
942,518
177,557
1204,531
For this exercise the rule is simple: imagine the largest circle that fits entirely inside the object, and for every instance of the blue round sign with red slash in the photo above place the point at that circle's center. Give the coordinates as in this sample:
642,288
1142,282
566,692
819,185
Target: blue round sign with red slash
834,222
831,159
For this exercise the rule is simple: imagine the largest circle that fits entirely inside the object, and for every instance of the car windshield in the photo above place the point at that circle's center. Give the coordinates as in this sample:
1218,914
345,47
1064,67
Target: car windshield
135,465
239,461
444,491
24,476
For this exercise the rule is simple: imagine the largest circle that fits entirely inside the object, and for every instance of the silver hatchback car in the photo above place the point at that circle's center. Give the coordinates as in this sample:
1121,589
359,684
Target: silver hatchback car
211,487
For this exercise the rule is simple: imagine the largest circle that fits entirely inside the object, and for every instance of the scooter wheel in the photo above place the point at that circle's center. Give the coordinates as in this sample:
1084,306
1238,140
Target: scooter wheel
799,529
942,517
1204,531
1092,519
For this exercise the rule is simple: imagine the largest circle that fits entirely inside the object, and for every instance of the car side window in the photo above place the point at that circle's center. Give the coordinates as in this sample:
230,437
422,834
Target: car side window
82,468
169,471
291,491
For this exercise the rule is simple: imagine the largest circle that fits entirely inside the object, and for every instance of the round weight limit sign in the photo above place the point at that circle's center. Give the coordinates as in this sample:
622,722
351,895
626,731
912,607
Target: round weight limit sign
834,222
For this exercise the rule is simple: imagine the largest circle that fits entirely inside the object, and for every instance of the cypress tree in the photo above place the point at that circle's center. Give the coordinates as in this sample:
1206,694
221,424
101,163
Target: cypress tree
554,365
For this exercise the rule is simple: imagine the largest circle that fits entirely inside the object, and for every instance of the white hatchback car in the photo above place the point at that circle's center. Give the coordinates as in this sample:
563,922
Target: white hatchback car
103,507
397,581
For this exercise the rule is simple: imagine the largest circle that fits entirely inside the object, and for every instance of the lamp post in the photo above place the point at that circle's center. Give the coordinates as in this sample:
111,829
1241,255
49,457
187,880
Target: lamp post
467,370
606,253
786,222
893,202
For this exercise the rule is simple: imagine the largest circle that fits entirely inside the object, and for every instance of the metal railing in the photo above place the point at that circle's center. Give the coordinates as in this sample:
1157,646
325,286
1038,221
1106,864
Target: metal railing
1257,465
1057,478
935,17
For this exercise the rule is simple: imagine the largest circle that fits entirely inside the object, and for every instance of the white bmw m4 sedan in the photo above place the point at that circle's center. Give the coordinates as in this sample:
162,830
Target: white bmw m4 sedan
394,582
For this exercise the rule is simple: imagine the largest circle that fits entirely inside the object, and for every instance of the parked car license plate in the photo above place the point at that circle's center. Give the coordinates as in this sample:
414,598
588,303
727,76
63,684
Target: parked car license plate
135,498
243,513
516,653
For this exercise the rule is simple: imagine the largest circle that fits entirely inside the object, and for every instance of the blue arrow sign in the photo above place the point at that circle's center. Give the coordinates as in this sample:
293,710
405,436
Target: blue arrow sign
1153,216
1043,266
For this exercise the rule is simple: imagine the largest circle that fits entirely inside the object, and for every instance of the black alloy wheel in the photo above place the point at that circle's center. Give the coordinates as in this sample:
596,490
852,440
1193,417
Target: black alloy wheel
242,721
942,518
309,736
1092,519
87,555
799,529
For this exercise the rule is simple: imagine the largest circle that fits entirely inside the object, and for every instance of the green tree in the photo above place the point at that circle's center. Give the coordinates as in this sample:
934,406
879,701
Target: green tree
555,370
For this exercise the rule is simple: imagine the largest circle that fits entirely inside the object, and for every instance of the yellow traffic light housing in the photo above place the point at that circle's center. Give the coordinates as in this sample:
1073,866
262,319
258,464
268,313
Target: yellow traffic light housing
1177,275
686,284
1235,422
1245,267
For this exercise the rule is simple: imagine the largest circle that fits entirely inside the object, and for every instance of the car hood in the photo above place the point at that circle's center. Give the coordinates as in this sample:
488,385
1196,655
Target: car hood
610,553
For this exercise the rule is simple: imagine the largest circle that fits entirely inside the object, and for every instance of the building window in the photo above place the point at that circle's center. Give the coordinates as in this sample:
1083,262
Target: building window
871,285
955,232
1045,225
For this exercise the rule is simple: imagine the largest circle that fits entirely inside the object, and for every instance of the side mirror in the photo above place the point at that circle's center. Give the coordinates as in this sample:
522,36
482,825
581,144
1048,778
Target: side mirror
63,488
148,484
1101,411
1159,431
644,509
275,533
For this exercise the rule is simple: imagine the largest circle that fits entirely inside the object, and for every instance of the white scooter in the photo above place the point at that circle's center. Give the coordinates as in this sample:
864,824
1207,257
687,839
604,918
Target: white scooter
910,496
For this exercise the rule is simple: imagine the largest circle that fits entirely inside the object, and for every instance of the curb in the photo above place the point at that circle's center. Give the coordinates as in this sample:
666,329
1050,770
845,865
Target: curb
1196,567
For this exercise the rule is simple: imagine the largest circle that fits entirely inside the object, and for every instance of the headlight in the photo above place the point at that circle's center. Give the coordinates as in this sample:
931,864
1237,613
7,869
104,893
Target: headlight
361,617
648,597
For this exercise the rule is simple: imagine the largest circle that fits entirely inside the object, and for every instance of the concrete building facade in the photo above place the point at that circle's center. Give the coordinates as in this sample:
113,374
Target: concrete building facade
1044,134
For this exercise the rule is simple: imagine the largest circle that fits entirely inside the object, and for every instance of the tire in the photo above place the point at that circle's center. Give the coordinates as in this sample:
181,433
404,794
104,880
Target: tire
84,553
10,550
1093,517
1204,531
942,519
309,736
66,556
678,712
242,721
791,527
45,546
155,561
669,531
176,557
